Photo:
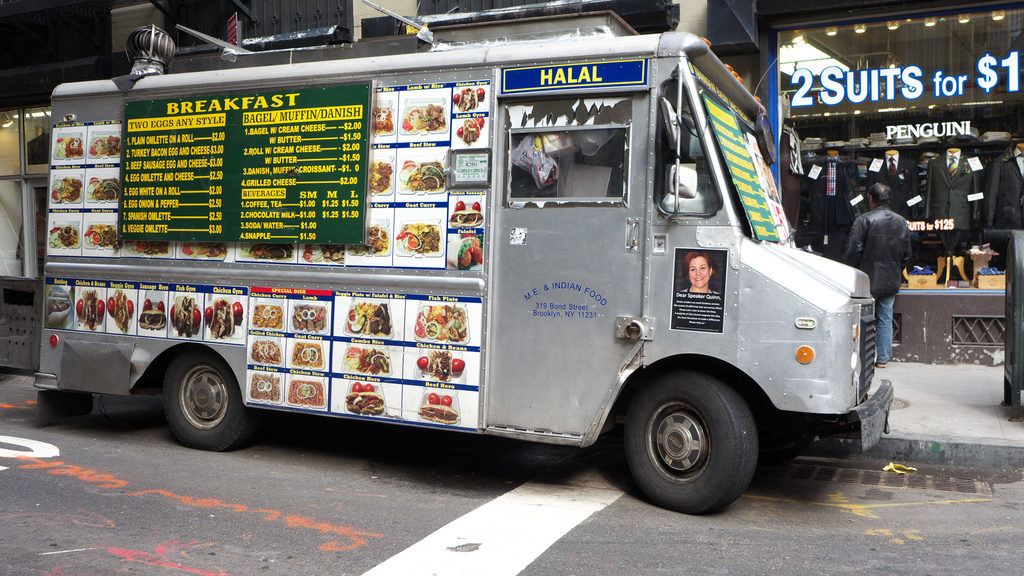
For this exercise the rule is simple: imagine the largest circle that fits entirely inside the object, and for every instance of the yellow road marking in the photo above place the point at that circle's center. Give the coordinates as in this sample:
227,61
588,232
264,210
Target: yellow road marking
842,502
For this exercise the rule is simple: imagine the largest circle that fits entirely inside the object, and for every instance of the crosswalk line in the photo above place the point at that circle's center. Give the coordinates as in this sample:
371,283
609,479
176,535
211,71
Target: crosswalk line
502,537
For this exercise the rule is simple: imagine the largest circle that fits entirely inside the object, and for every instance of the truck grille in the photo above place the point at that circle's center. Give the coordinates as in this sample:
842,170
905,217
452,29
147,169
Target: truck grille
867,348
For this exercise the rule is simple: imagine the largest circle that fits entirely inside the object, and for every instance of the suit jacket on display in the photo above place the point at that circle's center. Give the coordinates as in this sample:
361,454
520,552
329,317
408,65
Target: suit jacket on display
828,215
946,196
1004,193
904,184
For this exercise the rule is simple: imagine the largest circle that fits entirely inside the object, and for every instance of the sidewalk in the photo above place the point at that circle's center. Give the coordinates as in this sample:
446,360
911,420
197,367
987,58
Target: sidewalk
949,415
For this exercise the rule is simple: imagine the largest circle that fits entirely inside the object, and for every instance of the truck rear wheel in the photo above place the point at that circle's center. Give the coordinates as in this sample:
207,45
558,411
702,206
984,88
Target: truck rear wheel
691,443
203,403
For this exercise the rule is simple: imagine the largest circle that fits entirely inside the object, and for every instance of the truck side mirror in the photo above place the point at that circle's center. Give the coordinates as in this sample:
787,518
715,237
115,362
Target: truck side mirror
681,185
671,120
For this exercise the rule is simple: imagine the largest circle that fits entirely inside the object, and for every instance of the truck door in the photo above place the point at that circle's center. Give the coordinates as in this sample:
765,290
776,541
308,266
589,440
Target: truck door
567,258
22,230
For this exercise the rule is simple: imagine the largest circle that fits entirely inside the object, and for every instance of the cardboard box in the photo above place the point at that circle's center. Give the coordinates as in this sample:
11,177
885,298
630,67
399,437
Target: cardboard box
922,281
991,282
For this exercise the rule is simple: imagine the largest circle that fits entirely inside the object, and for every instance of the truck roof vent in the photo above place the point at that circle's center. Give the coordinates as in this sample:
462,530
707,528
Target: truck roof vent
150,49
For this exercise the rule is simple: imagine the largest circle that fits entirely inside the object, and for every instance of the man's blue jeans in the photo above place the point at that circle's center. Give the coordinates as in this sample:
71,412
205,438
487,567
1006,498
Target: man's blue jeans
883,328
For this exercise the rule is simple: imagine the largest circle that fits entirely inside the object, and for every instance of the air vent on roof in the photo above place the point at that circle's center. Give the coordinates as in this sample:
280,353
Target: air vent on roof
150,49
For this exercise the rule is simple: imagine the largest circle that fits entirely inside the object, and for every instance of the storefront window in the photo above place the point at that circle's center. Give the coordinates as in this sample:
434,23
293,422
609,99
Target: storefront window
11,233
933,107
37,139
10,147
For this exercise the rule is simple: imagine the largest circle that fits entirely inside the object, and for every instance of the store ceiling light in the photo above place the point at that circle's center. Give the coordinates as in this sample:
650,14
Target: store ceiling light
998,15
860,28
964,19
798,38
831,30
892,25
930,21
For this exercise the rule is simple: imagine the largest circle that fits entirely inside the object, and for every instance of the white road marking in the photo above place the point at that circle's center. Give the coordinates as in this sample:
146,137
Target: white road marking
502,537
65,551
33,448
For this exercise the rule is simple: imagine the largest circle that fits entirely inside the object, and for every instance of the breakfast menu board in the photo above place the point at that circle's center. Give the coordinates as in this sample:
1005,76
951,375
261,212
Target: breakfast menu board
284,166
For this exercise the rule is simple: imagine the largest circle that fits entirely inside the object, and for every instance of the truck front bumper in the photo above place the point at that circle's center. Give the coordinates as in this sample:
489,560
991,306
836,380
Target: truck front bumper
872,415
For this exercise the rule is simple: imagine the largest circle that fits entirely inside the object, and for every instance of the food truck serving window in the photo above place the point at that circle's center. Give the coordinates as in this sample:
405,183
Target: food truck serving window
569,150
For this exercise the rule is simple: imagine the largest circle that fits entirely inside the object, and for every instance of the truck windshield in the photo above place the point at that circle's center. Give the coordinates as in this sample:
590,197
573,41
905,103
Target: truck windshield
746,168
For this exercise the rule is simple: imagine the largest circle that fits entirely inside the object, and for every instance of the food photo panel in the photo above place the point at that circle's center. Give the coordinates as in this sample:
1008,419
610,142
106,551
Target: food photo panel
185,317
120,309
104,144
265,387
369,318
102,187
147,249
377,248
421,174
308,354
465,211
153,308
68,146
456,323
64,234
309,317
424,115
90,308
448,366
59,304
224,318
322,254
420,238
382,175
268,314
67,188
466,251
266,350
215,251
385,111
471,132
358,359
360,397
99,234
441,406
309,392
273,253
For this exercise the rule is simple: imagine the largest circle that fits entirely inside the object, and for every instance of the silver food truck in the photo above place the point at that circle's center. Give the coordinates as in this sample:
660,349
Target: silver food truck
537,239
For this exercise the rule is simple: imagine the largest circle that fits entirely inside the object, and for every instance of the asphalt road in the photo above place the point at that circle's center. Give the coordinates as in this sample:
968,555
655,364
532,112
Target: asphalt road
325,496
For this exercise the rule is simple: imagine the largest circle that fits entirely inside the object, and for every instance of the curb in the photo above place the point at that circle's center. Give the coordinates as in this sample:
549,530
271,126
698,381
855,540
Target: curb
907,448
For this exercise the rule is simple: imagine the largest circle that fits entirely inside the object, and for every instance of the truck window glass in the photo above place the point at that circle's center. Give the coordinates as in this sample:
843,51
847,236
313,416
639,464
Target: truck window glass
692,159
569,150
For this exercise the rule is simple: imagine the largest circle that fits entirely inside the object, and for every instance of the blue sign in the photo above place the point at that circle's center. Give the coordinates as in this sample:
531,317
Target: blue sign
583,75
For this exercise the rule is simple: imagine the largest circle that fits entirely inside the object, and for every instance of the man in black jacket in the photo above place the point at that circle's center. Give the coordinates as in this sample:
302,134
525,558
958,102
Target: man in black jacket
879,244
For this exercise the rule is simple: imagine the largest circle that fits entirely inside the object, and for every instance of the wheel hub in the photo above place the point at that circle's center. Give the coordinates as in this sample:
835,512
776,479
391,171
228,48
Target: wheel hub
679,440
204,397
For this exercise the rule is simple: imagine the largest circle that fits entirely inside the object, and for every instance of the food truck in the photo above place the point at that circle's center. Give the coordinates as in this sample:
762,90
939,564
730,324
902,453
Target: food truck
537,239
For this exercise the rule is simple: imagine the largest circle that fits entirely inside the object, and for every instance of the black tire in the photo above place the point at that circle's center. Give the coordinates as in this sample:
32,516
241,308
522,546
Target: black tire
203,403
708,449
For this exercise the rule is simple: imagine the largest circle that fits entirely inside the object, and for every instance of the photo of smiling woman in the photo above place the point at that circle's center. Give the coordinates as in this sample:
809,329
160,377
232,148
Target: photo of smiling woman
697,290
700,271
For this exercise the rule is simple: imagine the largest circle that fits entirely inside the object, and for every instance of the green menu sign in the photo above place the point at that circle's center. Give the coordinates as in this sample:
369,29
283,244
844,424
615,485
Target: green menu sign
742,170
280,166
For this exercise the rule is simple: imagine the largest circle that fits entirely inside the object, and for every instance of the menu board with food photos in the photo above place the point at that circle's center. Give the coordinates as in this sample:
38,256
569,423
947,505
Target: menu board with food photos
416,221
214,314
400,357
84,189
284,166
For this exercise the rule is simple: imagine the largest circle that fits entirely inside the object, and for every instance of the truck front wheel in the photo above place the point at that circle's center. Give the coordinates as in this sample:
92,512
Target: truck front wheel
691,443
203,403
